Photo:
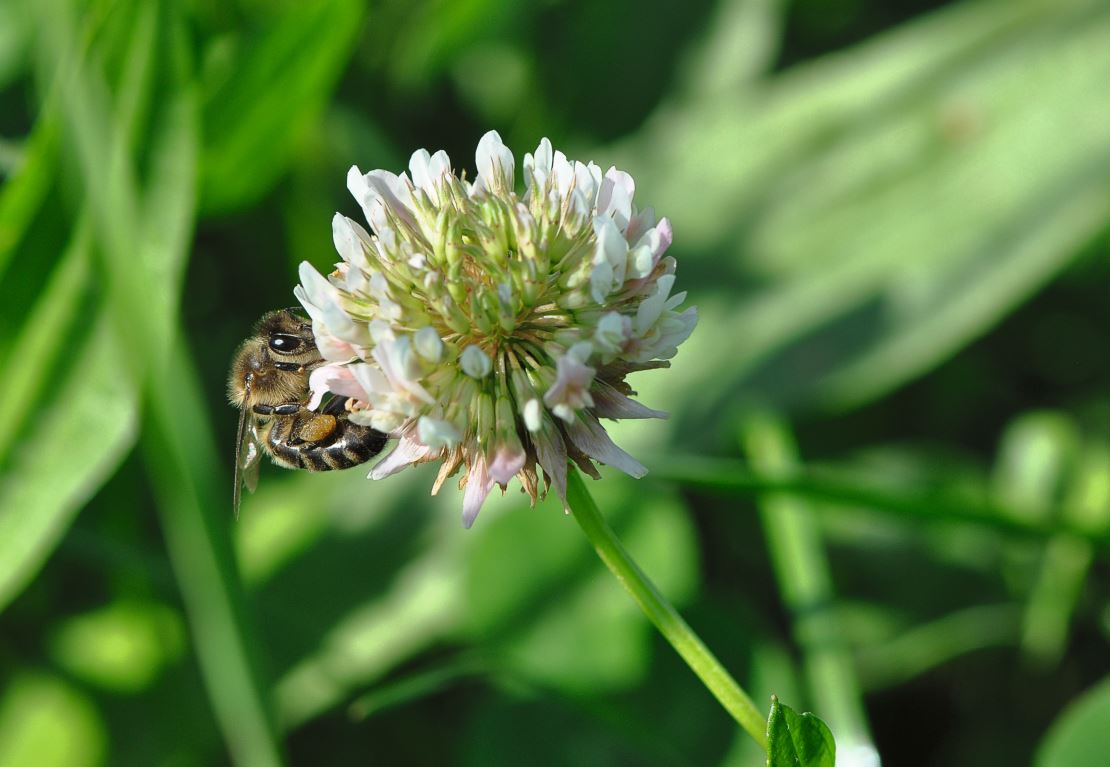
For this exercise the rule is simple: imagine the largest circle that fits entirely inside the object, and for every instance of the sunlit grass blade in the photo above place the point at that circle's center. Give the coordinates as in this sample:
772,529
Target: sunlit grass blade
251,126
23,194
739,46
180,451
417,685
801,565
849,489
144,268
34,352
906,656
829,183
49,478
1043,460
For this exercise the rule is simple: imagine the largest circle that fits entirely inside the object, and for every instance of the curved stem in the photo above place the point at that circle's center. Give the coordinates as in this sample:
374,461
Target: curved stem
670,624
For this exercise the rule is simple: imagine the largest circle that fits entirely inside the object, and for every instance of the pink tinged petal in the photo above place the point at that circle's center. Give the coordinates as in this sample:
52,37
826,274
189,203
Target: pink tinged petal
589,436
407,452
337,379
551,454
507,461
494,163
571,388
610,403
640,223
478,485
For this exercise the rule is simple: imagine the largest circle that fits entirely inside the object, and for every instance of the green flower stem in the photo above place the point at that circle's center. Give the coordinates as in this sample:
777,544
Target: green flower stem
661,612
798,555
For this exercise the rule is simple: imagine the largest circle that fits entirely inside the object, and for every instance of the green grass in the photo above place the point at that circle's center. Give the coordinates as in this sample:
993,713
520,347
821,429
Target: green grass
897,245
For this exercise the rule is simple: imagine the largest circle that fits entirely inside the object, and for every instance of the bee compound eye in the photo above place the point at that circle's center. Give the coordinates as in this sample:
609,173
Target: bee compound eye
285,343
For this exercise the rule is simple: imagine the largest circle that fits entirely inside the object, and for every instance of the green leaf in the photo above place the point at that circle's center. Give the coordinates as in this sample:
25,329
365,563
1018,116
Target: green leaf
48,481
281,84
24,193
47,722
829,184
795,740
1079,737
560,619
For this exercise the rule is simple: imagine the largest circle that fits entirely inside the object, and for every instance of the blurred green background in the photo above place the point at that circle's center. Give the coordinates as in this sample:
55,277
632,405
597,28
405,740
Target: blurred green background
883,494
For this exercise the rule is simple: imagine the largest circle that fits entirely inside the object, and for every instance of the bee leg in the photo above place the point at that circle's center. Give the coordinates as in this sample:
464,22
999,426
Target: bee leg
319,428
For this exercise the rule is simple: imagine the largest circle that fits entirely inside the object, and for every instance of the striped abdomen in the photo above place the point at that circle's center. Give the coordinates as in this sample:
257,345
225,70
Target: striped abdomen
320,442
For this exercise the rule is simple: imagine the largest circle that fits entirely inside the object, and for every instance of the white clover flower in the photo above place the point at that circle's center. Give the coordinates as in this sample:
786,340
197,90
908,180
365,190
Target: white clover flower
490,330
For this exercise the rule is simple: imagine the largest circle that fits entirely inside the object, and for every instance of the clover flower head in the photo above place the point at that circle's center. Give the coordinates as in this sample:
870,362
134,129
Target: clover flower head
490,330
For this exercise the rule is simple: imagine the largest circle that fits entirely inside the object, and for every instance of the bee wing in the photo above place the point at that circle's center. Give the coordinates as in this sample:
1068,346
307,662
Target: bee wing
248,454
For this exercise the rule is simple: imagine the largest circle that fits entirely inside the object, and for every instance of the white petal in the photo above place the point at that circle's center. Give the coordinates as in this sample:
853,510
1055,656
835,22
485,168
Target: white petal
436,433
613,329
394,192
589,436
601,281
428,344
428,169
348,244
439,165
564,174
407,452
418,169
475,362
537,167
551,454
322,296
533,415
615,197
610,403
494,163
652,306
478,485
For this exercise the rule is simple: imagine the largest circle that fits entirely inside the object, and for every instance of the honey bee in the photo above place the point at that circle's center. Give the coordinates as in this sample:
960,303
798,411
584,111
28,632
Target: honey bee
269,385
